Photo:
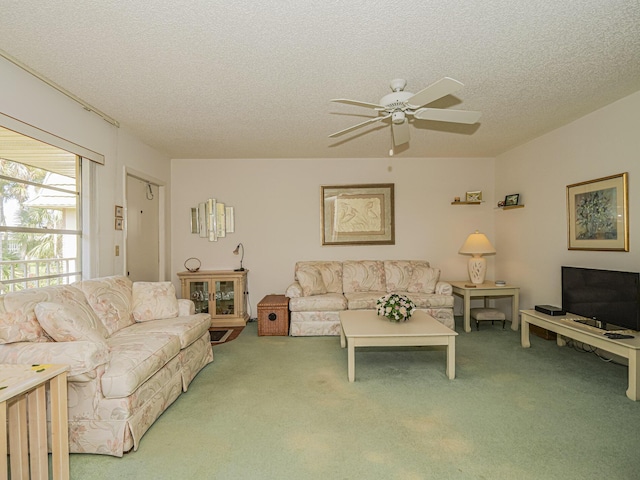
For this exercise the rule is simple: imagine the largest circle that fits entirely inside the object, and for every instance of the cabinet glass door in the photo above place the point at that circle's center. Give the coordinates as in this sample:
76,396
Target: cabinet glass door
225,301
199,294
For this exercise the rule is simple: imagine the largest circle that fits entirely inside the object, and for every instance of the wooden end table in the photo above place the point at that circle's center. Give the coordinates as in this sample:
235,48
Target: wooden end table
23,387
486,289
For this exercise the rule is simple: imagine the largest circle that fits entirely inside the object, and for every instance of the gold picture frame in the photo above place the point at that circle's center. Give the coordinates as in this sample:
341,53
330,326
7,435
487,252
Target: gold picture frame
358,214
473,197
598,214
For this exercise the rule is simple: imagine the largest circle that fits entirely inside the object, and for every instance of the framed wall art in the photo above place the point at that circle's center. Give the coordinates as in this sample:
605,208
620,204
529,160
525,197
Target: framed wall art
358,214
511,200
474,196
598,214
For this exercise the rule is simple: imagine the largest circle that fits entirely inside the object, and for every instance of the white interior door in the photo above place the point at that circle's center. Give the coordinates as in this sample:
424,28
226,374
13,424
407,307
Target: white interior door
143,230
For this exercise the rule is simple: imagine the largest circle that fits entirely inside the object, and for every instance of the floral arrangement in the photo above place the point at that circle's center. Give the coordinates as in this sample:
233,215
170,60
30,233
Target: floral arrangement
397,308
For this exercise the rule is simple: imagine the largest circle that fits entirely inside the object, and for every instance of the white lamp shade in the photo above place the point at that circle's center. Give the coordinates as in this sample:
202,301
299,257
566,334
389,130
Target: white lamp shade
477,244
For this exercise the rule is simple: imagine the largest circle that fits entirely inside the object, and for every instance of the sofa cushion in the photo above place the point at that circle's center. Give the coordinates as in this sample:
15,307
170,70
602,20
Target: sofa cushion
331,273
363,276
22,325
134,359
423,279
311,282
110,298
154,301
363,300
188,329
431,300
318,303
68,323
398,273
17,327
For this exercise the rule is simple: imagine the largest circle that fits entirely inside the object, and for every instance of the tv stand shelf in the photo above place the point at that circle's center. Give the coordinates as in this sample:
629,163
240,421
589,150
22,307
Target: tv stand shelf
564,326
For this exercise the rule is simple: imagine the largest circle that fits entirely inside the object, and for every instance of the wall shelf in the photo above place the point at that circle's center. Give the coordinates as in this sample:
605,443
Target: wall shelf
511,207
466,203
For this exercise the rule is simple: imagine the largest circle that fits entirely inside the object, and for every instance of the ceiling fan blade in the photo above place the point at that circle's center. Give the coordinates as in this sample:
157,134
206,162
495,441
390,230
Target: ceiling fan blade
433,92
447,115
357,103
346,130
400,132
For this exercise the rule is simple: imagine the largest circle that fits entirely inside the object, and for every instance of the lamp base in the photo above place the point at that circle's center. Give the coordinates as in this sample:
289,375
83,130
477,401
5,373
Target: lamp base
477,269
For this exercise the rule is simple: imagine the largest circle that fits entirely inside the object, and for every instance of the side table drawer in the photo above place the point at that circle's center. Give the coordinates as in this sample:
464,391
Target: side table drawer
273,315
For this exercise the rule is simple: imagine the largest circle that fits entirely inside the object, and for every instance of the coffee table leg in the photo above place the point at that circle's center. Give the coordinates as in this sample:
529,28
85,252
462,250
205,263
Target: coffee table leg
343,342
351,360
451,358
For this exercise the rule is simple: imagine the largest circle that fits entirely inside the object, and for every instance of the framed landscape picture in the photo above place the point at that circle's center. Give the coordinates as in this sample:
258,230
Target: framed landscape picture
598,214
358,214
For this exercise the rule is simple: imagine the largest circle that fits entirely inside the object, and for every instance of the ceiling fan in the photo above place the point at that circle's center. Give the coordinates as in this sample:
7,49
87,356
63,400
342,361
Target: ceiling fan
400,106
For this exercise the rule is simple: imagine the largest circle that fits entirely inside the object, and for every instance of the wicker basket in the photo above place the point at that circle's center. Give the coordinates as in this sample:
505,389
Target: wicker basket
273,315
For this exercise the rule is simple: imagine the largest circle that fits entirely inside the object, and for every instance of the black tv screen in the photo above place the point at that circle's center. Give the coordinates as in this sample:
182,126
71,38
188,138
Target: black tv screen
607,296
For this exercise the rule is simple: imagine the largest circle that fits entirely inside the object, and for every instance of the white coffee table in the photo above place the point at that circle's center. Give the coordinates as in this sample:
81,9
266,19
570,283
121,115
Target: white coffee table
364,328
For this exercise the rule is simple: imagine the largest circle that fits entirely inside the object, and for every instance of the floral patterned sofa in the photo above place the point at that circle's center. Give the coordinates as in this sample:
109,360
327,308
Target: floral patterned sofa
322,289
132,349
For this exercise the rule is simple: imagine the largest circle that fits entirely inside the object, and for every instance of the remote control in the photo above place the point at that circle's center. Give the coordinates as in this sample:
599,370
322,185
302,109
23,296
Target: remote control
617,335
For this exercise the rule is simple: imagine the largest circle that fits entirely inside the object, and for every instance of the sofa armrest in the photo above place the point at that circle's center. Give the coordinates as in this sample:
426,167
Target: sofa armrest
83,357
444,288
294,291
186,307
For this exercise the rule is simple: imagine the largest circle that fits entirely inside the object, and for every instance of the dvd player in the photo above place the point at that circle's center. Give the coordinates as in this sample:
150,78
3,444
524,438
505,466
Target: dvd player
550,310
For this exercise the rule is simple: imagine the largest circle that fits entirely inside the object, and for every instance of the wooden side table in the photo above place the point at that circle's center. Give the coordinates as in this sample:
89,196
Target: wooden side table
486,289
273,315
22,387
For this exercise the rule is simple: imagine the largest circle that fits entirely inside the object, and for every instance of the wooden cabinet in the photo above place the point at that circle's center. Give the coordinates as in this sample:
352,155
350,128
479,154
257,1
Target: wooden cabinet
220,293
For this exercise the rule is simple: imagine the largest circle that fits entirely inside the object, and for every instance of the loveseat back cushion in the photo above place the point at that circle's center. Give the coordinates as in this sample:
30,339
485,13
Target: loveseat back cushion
398,273
22,305
363,276
111,300
331,273
423,279
68,323
154,301
311,282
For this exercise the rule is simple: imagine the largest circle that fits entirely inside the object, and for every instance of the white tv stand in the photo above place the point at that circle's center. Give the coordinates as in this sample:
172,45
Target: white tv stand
564,326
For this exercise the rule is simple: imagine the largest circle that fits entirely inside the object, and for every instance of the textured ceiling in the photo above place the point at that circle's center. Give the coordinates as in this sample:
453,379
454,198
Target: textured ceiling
222,79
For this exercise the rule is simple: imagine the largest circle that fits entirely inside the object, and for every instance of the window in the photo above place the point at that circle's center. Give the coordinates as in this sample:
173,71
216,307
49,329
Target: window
40,213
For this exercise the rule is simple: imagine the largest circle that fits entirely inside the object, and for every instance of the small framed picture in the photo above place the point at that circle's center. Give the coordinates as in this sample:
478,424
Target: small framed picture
511,200
119,223
474,196
119,211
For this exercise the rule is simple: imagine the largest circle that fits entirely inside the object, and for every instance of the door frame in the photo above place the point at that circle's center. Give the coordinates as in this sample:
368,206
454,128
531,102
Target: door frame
162,229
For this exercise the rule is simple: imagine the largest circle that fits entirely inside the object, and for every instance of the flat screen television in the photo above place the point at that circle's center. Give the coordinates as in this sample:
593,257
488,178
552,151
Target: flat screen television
610,299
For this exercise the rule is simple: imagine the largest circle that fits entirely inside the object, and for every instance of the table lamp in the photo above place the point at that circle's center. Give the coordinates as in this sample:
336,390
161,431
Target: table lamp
476,245
239,248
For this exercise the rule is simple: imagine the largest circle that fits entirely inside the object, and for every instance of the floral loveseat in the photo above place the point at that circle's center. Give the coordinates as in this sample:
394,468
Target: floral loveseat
322,289
132,349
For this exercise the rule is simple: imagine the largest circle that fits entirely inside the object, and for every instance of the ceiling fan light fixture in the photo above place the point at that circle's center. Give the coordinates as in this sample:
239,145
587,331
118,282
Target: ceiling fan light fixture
398,117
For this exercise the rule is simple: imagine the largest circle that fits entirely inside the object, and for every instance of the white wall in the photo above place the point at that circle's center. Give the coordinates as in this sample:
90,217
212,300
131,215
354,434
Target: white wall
277,213
532,241
30,100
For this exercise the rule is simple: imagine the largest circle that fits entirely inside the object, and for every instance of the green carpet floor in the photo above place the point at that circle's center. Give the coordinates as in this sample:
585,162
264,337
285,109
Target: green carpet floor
282,408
